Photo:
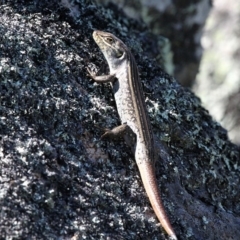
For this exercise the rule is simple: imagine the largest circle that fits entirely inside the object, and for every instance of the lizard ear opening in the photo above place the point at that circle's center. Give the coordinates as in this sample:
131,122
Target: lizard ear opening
119,54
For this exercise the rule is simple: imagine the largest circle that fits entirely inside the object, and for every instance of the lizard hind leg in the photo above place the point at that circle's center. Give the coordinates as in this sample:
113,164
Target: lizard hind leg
122,131
117,132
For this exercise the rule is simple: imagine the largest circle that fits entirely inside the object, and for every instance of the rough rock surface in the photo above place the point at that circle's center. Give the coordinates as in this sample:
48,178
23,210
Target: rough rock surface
58,180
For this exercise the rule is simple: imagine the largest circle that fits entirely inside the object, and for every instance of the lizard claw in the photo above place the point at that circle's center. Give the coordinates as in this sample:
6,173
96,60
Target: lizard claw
107,133
91,73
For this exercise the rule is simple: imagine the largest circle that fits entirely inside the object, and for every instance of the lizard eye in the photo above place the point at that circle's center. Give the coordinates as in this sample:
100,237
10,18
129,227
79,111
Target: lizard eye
109,39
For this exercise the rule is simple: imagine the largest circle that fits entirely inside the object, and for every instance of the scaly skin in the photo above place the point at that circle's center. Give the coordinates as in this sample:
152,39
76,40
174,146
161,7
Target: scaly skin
132,110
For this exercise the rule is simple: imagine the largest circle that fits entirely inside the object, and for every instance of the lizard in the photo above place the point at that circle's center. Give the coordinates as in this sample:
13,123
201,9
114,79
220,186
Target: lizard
131,107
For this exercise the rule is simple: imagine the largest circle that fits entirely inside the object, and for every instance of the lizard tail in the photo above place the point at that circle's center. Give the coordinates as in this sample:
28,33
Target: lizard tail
150,184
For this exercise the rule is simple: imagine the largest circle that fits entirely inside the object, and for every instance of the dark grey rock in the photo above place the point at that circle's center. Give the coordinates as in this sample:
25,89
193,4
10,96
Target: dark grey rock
58,179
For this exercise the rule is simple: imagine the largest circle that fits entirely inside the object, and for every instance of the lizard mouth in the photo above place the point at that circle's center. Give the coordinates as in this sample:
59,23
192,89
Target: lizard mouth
97,36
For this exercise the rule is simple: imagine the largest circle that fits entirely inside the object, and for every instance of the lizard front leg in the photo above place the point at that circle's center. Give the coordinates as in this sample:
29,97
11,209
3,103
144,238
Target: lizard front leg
101,79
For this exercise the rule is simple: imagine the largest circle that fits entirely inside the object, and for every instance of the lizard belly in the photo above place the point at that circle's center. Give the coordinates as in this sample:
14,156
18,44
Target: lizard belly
124,104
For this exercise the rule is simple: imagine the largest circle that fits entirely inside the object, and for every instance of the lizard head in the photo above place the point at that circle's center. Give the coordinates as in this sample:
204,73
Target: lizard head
113,49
